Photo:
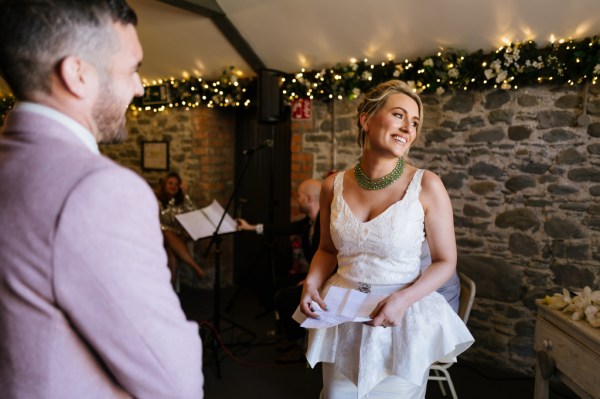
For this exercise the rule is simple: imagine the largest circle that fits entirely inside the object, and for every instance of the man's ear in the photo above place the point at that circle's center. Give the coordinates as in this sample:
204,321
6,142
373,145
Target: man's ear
75,74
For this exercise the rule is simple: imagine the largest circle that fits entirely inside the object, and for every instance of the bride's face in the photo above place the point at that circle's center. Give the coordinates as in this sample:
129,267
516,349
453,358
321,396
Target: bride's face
394,127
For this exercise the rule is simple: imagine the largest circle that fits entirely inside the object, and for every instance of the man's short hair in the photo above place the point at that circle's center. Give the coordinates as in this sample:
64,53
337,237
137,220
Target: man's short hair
38,34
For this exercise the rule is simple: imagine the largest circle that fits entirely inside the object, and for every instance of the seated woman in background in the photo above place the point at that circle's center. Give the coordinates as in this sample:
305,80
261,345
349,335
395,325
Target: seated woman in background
172,201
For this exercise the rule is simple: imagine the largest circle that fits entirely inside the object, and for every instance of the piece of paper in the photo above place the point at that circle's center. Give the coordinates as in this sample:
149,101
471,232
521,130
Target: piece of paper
344,305
202,223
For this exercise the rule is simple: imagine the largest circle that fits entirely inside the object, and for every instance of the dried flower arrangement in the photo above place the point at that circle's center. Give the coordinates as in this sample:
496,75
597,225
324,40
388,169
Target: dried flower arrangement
584,304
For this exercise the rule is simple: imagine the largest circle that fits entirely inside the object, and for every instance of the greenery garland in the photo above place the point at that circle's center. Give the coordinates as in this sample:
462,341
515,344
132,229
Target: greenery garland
509,67
6,104
227,91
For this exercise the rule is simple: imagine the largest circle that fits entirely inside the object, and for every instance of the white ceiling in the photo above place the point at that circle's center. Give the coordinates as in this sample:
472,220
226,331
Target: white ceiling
288,35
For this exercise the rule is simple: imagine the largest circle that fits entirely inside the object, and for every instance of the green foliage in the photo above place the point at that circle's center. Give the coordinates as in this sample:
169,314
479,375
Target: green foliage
510,67
6,104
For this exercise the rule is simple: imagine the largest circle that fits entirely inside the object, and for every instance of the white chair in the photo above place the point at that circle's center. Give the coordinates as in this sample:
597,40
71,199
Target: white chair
439,371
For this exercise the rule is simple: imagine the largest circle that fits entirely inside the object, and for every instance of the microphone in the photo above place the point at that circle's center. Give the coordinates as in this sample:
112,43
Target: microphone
268,143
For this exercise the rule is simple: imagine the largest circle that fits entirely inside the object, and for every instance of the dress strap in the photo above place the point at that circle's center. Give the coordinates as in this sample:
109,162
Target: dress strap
338,183
415,183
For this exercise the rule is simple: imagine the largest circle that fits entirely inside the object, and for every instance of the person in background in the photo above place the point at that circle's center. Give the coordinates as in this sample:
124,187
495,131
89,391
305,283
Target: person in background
374,218
290,281
308,228
87,307
173,200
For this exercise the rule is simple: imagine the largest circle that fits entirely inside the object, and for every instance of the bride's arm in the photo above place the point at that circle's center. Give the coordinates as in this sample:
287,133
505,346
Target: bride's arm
325,259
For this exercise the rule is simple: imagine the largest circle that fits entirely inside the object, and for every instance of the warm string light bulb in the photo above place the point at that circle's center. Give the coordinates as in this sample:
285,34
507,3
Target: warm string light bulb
499,69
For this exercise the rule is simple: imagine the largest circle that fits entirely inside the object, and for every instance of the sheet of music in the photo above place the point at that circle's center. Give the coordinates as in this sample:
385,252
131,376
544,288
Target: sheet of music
202,223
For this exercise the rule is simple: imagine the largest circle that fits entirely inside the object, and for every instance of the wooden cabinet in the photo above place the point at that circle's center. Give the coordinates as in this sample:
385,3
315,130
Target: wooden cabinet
568,349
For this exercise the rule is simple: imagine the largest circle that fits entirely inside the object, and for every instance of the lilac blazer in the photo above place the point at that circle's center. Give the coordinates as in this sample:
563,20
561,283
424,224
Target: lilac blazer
86,307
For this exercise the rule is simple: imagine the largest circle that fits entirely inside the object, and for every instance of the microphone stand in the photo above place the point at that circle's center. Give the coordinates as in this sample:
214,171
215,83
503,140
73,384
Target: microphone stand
266,248
216,239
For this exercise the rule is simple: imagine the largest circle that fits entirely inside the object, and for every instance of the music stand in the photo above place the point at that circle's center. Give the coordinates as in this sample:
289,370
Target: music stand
216,239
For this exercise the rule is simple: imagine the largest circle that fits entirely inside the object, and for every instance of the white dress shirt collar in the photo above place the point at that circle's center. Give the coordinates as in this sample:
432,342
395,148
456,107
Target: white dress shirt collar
72,125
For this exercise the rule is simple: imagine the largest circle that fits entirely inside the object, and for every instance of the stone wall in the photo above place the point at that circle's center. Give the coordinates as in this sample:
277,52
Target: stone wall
524,180
201,149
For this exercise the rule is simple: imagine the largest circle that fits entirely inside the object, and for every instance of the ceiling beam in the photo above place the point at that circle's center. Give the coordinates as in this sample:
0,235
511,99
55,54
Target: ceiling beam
212,10
206,8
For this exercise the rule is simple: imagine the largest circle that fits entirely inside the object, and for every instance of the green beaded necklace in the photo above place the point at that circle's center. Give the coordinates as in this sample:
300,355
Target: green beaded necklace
377,184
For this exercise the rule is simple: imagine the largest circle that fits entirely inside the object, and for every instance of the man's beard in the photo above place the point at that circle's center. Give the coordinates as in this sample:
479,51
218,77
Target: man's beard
109,116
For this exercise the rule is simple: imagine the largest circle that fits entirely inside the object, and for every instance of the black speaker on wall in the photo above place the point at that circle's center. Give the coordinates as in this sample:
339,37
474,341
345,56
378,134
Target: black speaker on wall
270,104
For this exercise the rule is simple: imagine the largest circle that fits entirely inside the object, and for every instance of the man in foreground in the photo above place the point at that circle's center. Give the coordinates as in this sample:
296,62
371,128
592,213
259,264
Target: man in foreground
86,308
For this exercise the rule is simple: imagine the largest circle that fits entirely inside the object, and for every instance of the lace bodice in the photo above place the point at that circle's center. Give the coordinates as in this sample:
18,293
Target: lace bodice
384,250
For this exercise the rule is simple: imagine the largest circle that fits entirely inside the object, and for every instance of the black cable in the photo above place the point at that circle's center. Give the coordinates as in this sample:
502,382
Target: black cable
234,356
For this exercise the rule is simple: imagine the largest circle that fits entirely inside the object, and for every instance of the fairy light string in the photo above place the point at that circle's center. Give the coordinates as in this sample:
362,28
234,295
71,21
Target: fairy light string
514,65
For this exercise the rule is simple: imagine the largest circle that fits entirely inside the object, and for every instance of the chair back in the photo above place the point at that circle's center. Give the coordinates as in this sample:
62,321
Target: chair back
467,297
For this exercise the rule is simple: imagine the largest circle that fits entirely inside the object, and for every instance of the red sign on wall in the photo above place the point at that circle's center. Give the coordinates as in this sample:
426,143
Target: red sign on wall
302,108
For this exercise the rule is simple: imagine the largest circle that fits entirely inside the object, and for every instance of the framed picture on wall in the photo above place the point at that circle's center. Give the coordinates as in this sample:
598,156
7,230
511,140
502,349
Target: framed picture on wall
155,155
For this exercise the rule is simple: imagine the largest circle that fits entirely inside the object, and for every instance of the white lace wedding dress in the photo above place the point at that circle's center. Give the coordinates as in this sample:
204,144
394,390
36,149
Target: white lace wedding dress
384,253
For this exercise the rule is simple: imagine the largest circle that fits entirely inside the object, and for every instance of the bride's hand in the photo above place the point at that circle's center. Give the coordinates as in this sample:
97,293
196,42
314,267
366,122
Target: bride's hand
310,294
389,312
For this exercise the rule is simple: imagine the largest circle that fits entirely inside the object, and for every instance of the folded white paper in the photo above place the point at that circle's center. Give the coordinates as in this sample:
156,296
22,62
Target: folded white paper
343,305
202,222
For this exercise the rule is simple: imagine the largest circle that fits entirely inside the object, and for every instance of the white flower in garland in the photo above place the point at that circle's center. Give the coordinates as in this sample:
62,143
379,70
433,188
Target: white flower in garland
366,75
355,93
440,90
501,77
540,62
516,54
511,56
428,62
496,66
417,87
489,74
453,73
398,71
535,64
597,69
